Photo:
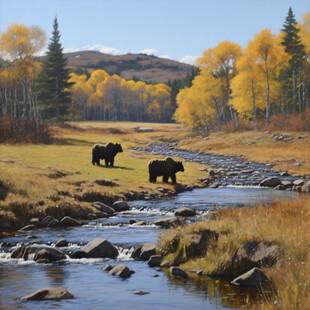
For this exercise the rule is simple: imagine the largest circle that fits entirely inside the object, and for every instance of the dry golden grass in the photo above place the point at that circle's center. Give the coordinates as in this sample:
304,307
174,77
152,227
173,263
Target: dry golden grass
283,154
284,223
52,173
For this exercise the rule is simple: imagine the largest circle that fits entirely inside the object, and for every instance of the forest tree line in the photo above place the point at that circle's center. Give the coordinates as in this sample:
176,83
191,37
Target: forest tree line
34,89
271,76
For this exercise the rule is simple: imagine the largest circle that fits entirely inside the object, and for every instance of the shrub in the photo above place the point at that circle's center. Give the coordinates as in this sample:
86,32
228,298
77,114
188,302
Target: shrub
16,130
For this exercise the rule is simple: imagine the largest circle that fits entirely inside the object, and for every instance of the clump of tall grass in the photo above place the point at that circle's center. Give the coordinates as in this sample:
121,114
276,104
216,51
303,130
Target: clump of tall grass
285,223
18,130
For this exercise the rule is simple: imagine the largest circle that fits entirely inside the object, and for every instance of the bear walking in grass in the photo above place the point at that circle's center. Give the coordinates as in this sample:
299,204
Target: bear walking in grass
164,167
105,151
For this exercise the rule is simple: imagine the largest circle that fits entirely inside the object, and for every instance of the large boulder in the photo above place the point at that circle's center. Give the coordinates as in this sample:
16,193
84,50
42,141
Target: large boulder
49,255
100,247
120,206
183,211
51,293
254,277
122,271
198,243
103,207
178,272
147,250
253,254
271,182
167,222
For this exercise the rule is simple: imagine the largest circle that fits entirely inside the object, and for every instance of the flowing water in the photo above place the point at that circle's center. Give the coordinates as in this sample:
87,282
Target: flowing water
96,289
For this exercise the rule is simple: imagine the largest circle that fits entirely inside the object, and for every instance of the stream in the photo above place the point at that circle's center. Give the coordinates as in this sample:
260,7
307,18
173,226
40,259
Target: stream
96,289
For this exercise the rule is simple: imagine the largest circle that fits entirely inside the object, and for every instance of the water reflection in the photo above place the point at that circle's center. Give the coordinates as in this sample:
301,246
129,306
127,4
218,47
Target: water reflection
219,292
57,275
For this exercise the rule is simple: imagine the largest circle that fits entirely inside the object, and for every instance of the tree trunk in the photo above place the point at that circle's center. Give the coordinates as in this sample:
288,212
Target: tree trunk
267,99
294,91
218,112
254,107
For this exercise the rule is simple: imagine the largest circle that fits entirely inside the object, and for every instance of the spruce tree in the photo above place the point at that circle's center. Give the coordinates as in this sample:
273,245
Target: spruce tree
295,49
53,80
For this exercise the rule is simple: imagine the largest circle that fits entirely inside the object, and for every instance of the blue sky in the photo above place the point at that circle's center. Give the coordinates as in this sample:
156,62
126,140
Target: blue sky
175,29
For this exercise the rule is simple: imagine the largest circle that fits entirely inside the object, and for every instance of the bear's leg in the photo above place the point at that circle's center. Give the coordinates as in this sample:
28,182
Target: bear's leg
165,178
112,162
153,178
98,162
106,162
173,178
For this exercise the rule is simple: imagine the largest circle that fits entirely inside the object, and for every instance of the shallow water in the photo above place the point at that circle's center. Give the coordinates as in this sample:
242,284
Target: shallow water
96,289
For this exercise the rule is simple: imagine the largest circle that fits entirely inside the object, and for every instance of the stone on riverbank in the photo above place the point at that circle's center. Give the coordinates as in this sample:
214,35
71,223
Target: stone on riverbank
47,220
69,221
254,277
155,261
51,293
167,222
253,254
183,211
271,182
178,272
147,250
306,187
121,270
198,243
100,247
28,227
299,182
120,206
100,206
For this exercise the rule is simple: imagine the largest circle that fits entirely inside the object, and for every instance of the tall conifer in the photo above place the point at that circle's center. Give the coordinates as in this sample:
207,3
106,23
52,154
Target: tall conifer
53,80
295,49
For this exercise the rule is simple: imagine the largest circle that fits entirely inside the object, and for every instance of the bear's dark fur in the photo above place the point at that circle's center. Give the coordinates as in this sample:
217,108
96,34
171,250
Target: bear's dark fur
105,151
164,167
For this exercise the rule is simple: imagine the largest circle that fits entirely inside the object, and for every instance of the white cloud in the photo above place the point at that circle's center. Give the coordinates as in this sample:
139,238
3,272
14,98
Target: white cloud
104,49
191,60
41,52
164,56
71,49
149,51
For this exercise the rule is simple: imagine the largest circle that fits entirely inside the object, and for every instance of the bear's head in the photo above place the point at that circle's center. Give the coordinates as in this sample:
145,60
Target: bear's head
178,166
118,148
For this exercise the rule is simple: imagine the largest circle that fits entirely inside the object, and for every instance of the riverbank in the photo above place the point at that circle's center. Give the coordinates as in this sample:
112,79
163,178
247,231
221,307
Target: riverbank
282,231
59,180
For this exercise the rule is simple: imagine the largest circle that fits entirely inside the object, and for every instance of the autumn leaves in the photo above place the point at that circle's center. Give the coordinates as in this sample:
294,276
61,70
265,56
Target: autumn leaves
235,83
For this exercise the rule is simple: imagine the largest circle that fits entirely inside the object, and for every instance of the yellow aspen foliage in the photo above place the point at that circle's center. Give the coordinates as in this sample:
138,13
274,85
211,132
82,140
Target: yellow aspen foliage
19,46
305,32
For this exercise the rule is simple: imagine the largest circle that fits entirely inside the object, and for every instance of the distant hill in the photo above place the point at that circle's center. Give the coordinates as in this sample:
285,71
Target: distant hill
142,66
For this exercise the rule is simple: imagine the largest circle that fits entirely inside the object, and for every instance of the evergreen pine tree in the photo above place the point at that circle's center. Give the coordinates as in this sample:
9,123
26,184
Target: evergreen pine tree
295,48
53,80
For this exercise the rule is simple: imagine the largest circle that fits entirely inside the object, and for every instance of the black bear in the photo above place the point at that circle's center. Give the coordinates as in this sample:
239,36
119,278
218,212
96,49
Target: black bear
164,167
105,151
